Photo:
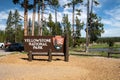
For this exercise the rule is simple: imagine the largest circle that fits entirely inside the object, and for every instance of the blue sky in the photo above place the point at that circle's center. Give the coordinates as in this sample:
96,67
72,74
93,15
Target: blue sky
108,10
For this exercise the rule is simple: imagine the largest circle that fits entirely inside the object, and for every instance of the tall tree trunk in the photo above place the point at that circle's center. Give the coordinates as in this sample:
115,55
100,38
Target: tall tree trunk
33,17
15,32
91,6
87,36
41,25
39,29
25,17
90,14
73,13
55,15
29,26
55,21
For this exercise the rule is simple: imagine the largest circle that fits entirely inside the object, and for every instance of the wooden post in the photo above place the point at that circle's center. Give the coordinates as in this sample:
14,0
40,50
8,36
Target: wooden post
66,53
110,51
30,56
108,54
49,55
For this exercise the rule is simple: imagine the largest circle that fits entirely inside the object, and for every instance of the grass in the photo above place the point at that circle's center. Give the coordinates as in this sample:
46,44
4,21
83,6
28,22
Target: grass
24,52
103,54
95,54
117,45
1,55
103,45
79,51
99,46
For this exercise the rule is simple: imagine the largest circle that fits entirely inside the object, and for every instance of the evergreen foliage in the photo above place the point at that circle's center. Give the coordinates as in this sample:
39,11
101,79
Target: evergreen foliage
96,28
14,31
79,27
50,27
67,28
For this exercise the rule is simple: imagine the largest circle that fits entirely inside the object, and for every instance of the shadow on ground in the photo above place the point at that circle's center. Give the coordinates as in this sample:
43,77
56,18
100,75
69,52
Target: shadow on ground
36,59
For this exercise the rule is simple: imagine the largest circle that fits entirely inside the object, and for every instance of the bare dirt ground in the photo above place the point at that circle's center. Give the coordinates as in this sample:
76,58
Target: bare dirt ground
16,67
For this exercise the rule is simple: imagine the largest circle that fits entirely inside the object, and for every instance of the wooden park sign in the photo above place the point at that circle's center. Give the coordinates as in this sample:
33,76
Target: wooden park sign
39,45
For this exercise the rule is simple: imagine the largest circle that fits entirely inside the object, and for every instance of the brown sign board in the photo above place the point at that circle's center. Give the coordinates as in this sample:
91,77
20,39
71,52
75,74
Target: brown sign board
44,43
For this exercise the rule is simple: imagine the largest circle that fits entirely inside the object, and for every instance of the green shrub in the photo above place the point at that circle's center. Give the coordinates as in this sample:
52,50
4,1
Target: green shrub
111,43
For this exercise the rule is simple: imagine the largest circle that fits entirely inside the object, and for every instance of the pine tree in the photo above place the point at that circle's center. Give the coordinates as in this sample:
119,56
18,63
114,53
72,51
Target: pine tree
2,35
88,24
30,27
36,27
73,4
67,28
17,25
55,5
9,29
33,16
50,24
10,20
79,27
58,28
25,4
14,32
96,28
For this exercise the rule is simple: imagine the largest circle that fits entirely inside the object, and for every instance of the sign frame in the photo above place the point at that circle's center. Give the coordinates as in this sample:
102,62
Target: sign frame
41,44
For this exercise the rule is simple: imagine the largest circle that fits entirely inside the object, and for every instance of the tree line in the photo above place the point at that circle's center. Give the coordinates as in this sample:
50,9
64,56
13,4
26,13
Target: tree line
108,39
94,27
13,31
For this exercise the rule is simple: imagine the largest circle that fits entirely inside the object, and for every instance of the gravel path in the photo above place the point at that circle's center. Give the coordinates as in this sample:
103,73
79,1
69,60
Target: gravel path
3,52
16,67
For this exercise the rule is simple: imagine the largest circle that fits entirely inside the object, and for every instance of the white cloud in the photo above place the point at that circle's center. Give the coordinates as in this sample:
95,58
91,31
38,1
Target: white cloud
106,21
114,13
62,2
83,33
111,29
113,21
2,26
3,15
112,32
60,16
